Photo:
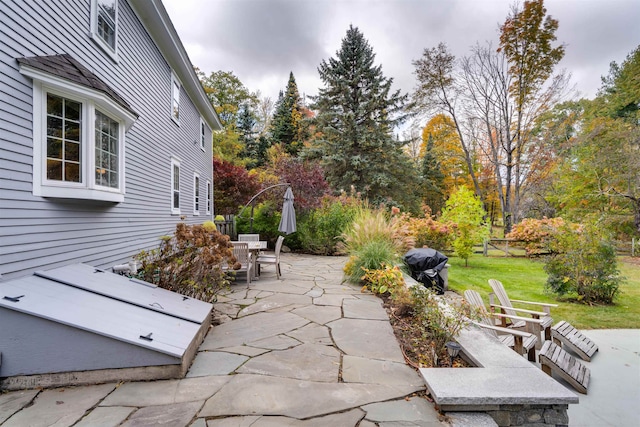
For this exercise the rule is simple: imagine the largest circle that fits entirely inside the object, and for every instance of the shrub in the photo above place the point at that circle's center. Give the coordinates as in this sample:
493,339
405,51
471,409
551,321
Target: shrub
189,262
372,255
427,232
440,322
536,233
266,219
320,231
387,279
583,265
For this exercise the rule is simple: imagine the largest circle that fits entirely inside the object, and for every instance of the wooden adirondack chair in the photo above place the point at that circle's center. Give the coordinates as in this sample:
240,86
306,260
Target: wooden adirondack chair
506,307
242,254
521,342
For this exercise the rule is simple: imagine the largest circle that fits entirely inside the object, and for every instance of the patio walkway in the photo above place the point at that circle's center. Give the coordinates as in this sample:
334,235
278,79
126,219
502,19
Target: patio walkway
303,351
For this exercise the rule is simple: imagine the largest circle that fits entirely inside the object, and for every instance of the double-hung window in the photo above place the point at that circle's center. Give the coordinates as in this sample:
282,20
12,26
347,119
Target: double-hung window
104,25
203,134
175,98
175,186
79,140
196,194
209,195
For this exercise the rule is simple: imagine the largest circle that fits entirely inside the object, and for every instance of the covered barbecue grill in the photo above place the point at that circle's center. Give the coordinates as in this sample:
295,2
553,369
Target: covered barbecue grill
428,267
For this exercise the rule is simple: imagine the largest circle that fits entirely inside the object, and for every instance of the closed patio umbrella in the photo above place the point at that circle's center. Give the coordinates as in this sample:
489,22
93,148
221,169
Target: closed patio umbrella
288,220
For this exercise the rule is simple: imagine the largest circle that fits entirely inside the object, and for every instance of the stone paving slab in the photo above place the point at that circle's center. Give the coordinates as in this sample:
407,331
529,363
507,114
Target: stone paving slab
60,406
251,328
229,309
309,362
177,414
215,363
414,410
278,287
12,402
279,342
332,300
165,392
368,371
366,338
106,417
344,419
364,309
275,301
312,334
248,421
320,314
245,350
315,292
257,394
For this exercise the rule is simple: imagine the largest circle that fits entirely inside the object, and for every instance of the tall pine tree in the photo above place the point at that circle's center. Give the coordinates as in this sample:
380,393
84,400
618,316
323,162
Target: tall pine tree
356,115
286,126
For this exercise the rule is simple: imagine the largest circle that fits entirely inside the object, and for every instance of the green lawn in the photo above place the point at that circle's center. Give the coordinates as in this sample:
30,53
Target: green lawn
524,279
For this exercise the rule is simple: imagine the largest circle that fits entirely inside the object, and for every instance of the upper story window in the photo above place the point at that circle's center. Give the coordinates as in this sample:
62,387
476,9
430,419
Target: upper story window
175,186
175,99
203,134
78,135
104,25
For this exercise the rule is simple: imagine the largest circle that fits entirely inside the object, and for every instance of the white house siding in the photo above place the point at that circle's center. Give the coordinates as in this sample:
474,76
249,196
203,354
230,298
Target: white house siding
39,233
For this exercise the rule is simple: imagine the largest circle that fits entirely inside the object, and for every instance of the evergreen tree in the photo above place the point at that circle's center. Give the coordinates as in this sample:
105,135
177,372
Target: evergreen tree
246,128
286,127
433,179
356,115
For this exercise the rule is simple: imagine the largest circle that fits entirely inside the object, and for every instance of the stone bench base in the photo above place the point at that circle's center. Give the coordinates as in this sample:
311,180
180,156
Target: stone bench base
513,391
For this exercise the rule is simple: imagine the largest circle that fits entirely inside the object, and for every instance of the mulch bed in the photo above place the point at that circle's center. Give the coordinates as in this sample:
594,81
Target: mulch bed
415,346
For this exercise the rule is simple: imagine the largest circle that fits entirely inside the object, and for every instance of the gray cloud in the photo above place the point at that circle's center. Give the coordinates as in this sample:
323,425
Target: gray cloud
262,40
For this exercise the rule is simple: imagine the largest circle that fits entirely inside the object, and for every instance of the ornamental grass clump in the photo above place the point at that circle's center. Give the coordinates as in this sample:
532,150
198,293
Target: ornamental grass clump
374,240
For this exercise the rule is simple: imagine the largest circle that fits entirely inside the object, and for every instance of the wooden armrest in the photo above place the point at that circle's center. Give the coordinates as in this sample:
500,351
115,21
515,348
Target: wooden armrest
524,319
543,304
513,332
521,310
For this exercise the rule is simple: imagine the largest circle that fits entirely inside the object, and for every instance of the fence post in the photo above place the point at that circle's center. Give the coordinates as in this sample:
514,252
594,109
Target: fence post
485,247
633,246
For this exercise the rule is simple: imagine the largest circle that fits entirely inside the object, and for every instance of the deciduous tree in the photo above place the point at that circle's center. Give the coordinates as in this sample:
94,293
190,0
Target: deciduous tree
465,210
494,98
232,187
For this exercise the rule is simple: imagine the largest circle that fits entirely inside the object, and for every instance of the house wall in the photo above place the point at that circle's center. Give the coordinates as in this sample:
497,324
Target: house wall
40,233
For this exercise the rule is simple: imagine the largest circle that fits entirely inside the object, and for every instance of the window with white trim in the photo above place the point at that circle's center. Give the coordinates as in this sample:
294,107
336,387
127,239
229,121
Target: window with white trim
104,25
196,193
203,134
175,98
79,140
175,186
209,196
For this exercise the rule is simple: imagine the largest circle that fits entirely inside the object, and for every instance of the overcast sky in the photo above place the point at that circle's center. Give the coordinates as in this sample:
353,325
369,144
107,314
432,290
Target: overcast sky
261,41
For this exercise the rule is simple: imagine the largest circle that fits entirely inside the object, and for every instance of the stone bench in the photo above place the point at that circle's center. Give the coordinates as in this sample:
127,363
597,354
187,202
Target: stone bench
513,391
